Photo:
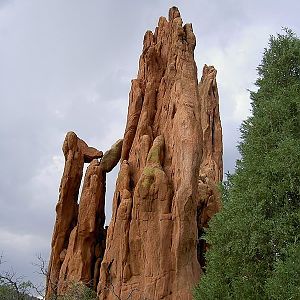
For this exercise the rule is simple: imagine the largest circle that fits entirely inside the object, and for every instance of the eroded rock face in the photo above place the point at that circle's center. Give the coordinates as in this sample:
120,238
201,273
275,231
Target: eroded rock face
212,160
79,236
80,257
166,191
152,240
211,168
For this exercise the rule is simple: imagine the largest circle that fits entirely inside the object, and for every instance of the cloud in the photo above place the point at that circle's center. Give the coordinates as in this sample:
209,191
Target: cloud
4,2
18,241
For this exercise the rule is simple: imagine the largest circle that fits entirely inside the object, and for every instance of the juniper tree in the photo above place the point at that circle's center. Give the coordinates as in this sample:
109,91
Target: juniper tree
255,239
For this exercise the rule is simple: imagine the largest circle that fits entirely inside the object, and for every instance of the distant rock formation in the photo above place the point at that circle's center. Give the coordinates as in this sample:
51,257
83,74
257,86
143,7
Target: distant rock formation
166,190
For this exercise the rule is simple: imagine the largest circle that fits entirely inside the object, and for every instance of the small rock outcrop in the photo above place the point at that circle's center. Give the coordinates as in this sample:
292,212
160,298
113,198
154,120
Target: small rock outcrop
166,191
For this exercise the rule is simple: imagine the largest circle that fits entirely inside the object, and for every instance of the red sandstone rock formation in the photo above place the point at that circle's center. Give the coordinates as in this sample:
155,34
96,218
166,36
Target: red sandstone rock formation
211,168
212,163
171,160
76,152
79,237
80,255
151,250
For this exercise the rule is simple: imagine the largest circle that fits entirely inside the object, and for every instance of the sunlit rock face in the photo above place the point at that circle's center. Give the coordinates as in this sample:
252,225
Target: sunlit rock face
166,191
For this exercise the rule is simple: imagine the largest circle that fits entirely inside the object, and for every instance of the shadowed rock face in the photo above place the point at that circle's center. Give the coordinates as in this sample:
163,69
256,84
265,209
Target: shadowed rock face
172,153
166,190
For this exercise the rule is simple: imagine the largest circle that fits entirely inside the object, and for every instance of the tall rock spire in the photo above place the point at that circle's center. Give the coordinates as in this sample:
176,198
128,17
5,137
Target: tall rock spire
76,152
172,126
166,191
79,236
211,168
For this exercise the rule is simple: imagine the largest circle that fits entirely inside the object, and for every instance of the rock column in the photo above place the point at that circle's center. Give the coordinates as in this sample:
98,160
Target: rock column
152,240
79,236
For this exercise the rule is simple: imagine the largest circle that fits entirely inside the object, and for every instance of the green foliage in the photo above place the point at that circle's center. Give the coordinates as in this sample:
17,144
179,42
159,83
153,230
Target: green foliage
285,282
10,292
13,287
7,293
255,252
78,290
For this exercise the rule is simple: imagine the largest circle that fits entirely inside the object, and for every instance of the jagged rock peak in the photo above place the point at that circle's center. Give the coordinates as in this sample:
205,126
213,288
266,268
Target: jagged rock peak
166,190
152,249
173,13
164,54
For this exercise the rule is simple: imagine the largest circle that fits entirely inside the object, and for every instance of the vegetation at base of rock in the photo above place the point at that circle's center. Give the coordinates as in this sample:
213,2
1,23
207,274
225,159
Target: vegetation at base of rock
14,287
255,239
21,290
7,292
77,290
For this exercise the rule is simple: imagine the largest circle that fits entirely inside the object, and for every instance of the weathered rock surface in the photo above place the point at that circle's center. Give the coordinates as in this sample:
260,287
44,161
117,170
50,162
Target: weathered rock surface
79,236
112,156
212,160
166,191
211,168
78,264
173,128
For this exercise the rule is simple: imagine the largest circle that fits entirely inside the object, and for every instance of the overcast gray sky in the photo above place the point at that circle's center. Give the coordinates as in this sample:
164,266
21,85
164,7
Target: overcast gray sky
67,65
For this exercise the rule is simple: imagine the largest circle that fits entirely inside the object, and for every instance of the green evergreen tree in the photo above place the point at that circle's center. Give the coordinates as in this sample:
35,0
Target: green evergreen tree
255,239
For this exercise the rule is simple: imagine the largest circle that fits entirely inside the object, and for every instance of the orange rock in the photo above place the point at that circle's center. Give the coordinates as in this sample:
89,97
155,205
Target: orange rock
166,190
78,264
76,152
151,250
211,168
212,161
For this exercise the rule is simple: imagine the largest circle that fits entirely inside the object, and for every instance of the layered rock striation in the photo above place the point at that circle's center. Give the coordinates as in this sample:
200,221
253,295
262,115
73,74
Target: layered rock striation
166,191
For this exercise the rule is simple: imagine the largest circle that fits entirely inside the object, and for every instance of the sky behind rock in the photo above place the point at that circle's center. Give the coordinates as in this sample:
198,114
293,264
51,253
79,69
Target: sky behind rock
67,65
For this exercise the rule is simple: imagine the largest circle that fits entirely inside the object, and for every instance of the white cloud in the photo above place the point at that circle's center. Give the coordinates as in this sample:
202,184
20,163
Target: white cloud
11,240
236,62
